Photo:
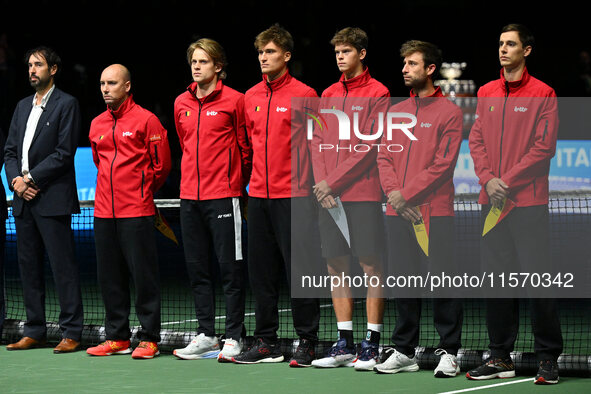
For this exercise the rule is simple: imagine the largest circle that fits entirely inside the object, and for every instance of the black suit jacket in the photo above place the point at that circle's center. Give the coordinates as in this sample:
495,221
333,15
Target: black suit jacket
51,155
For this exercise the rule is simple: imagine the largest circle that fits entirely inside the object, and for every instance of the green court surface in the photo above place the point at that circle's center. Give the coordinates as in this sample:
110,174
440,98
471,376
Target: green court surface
40,371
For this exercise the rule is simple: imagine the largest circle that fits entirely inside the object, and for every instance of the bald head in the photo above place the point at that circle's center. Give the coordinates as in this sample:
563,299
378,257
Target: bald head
115,85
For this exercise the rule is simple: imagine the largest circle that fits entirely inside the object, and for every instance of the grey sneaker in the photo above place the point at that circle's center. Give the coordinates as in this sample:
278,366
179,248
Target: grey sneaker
397,362
200,347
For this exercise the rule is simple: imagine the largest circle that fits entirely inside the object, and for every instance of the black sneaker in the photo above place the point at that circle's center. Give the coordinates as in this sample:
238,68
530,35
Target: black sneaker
303,355
493,368
260,352
547,372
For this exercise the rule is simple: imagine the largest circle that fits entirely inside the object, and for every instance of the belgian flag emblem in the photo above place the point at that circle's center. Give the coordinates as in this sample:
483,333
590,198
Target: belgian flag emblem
257,108
491,108
188,113
101,137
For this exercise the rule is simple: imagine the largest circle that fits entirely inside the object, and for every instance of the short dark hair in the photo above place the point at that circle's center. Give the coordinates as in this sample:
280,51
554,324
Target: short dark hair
525,35
50,56
353,36
431,53
276,34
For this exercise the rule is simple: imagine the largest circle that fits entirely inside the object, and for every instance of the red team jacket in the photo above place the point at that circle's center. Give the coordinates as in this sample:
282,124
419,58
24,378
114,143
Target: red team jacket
281,159
351,175
130,150
514,137
423,170
216,159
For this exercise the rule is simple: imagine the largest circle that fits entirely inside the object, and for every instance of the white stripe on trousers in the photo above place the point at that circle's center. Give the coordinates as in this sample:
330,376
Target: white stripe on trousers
237,227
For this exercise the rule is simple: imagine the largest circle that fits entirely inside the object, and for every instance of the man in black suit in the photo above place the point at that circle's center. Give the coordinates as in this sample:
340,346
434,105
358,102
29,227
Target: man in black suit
39,162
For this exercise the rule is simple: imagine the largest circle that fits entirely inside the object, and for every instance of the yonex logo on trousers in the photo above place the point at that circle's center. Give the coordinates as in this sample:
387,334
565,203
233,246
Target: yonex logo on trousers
225,215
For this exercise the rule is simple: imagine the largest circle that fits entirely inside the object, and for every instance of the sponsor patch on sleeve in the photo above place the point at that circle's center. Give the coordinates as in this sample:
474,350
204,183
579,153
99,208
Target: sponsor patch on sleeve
155,137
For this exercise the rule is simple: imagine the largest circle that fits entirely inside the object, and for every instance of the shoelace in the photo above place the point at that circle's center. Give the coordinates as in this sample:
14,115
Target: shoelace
111,344
147,345
369,352
338,348
440,352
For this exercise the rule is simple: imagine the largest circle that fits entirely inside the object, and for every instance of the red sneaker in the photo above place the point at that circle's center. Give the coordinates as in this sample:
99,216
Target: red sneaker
145,350
108,348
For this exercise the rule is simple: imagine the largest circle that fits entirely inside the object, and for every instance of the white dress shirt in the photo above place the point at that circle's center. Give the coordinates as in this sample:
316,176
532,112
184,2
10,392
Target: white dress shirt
32,122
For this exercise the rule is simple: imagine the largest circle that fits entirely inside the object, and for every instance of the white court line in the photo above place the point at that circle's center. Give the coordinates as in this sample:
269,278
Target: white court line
223,317
489,386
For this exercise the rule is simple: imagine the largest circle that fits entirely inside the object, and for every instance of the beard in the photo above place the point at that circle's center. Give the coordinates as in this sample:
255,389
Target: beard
38,83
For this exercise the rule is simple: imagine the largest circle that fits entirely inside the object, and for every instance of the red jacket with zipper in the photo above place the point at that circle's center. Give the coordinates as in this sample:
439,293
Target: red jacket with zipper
130,150
276,128
514,137
216,154
423,169
350,169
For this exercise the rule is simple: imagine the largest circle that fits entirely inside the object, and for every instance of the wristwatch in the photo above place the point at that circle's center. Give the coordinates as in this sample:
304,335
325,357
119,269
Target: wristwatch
27,178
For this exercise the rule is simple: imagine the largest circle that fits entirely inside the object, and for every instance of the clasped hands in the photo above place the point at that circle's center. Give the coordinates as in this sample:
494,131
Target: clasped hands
323,194
497,191
400,205
24,190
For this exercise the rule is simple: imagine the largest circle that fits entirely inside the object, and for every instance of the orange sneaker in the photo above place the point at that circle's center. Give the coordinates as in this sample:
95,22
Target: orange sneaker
109,347
145,350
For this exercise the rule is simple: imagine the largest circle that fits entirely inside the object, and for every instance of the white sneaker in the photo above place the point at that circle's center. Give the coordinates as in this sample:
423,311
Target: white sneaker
200,347
397,362
368,357
448,365
338,356
231,349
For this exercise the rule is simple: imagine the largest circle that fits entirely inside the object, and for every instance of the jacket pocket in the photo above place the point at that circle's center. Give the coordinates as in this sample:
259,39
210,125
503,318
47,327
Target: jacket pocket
447,146
229,167
298,166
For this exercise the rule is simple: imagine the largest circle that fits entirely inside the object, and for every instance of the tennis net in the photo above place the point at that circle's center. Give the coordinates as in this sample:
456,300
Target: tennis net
570,216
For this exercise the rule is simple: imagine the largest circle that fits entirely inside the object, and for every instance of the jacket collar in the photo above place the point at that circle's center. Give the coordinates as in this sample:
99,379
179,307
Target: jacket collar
514,85
357,81
192,88
124,108
436,93
279,82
